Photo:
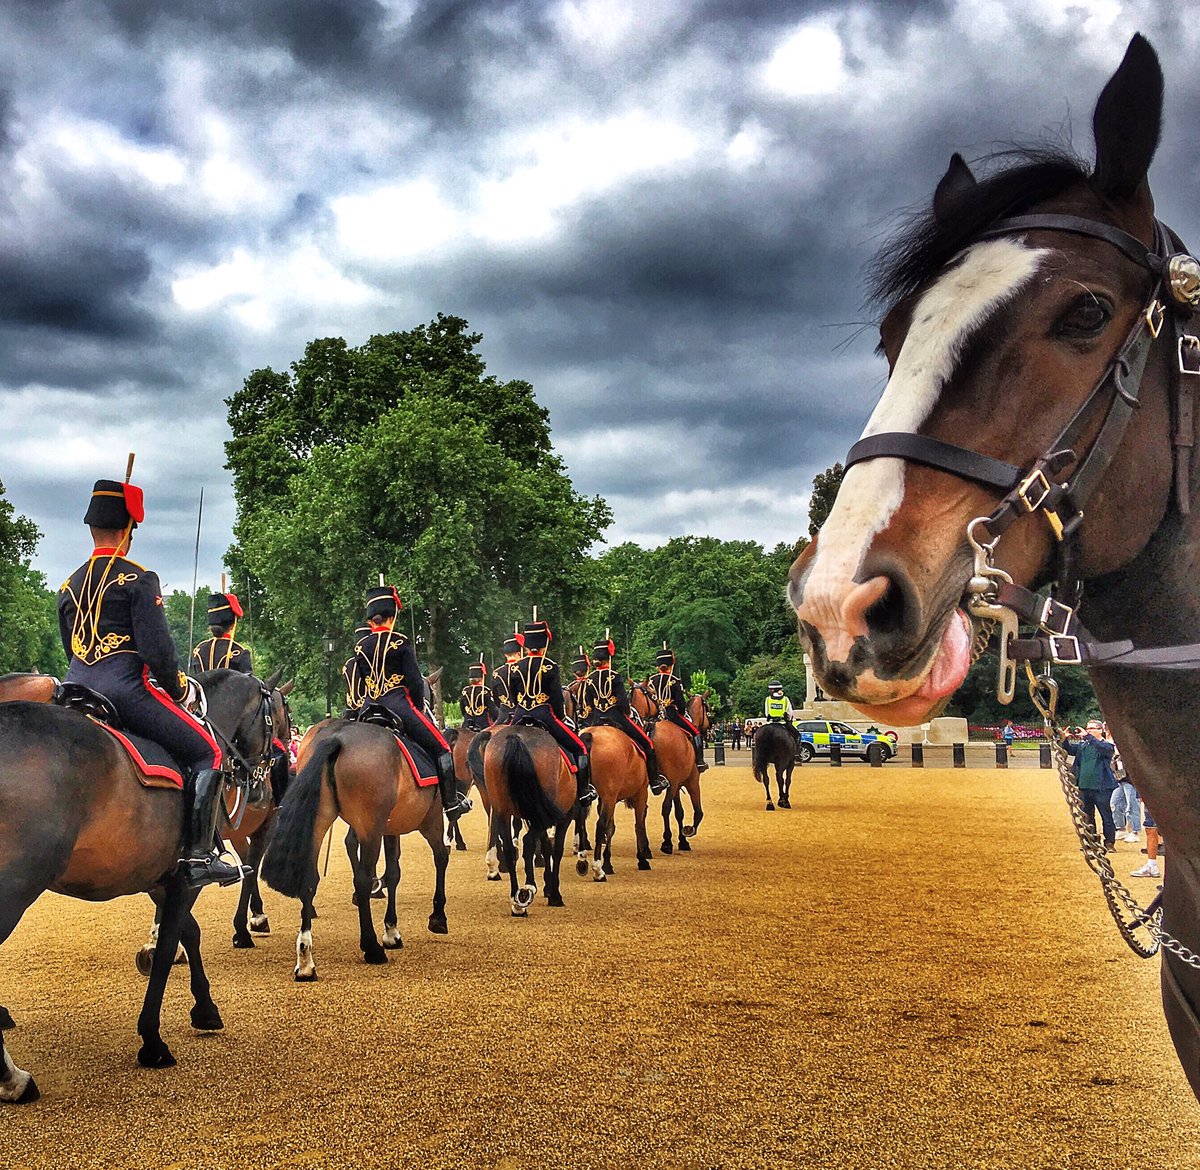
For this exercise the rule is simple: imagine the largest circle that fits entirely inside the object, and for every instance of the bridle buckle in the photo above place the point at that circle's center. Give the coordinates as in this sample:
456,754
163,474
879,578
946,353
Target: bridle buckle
1056,618
1189,354
1035,479
1065,650
1156,311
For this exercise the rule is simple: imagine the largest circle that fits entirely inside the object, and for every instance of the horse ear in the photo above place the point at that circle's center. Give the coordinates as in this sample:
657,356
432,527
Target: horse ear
287,687
272,682
1127,122
955,184
435,677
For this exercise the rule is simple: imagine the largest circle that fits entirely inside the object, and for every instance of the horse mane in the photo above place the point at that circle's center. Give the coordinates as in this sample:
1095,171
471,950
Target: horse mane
925,244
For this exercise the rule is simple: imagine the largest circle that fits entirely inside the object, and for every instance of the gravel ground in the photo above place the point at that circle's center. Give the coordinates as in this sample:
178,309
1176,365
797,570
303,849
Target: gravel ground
909,969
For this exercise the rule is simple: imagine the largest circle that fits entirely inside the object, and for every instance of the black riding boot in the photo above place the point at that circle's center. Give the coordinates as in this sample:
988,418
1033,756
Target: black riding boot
584,792
658,782
454,804
201,862
698,744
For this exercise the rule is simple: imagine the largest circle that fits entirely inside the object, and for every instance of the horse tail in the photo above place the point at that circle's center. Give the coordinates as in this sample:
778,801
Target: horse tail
288,864
475,757
534,805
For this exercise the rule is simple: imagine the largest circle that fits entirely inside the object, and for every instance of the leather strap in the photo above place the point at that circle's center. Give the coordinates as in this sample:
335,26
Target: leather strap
1131,246
934,453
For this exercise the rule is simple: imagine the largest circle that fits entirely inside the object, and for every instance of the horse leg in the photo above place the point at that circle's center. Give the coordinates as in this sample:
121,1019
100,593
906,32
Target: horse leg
639,828
610,832
6,1020
459,843
534,846
693,790
518,899
177,902
391,881
306,968
241,916
667,841
582,865
782,778
492,860
205,1015
432,832
684,847
17,1087
259,923
598,874
766,783
364,881
554,867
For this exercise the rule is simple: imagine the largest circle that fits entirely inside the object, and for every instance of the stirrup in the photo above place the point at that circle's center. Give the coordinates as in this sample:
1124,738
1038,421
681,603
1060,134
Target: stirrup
203,871
460,809
659,786
588,794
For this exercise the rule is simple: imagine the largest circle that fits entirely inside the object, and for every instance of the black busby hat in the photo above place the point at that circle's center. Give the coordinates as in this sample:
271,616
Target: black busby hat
666,656
580,664
223,608
515,644
476,671
115,505
605,649
383,601
537,635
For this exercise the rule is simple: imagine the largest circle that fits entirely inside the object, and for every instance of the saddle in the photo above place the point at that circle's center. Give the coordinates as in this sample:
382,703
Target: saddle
419,762
530,721
152,763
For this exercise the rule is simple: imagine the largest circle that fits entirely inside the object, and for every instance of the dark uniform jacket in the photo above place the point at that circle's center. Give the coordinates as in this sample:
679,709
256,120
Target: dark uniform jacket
478,706
534,682
601,694
355,690
386,662
502,687
113,626
222,653
668,690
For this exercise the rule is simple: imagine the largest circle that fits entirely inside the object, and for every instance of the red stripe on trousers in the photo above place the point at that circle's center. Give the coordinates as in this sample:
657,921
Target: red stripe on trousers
161,696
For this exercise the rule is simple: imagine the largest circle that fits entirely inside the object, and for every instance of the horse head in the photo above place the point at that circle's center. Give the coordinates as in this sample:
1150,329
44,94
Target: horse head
1012,313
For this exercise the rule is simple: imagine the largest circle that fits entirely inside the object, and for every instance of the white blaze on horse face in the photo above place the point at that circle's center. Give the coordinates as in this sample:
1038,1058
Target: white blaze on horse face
944,319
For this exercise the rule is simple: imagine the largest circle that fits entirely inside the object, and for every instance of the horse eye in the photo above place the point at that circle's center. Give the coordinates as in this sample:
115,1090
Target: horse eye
1087,317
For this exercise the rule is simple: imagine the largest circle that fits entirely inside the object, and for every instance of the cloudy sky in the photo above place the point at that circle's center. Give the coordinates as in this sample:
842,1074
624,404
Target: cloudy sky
656,211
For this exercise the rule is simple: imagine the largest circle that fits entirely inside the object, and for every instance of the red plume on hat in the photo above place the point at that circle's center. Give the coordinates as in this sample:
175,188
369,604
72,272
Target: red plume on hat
135,503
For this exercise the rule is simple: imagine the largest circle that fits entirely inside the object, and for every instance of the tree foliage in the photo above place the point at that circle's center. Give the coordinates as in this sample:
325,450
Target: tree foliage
824,493
402,457
29,638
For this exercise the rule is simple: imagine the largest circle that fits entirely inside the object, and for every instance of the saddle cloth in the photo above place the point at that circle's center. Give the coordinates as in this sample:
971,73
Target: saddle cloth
419,762
151,762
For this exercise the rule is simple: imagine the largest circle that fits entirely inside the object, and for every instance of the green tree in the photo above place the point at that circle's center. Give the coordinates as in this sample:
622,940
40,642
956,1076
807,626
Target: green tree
29,638
749,687
824,492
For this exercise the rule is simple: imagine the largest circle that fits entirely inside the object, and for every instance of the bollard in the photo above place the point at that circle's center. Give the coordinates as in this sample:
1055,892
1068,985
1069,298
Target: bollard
960,755
835,755
1001,755
718,753
918,755
1044,755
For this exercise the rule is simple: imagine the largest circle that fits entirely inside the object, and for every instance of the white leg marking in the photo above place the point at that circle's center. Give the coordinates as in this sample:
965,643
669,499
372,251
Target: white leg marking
305,967
260,924
391,935
493,862
598,874
14,1082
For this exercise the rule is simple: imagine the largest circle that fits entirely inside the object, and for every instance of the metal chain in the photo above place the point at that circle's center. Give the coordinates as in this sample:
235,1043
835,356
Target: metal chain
1129,915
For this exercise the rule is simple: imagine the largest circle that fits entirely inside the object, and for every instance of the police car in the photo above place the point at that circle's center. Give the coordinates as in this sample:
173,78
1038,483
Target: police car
816,736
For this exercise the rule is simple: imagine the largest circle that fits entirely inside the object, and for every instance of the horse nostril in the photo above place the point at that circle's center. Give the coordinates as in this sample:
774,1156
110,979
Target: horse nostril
886,616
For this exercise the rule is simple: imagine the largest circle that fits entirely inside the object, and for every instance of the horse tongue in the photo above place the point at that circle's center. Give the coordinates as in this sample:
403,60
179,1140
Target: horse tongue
952,661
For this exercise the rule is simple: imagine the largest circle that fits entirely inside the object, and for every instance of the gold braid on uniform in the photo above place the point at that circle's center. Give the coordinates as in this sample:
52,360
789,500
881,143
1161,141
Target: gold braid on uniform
86,643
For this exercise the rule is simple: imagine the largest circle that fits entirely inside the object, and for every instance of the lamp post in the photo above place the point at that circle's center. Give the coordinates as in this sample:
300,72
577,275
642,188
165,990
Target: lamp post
330,648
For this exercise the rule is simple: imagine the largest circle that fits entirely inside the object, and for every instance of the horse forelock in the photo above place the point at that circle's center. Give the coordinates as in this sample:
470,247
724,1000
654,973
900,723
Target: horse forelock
945,318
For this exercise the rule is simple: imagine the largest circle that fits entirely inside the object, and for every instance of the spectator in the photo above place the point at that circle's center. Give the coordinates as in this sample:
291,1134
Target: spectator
1093,774
1008,734
1126,807
1151,868
735,733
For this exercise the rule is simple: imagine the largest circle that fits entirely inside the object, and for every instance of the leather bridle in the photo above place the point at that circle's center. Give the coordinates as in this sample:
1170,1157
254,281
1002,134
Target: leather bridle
1174,298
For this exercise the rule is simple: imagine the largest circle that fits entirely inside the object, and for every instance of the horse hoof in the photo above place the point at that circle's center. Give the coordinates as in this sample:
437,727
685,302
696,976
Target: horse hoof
260,925
156,1056
207,1018
684,847
144,960
666,847
31,1094
460,846
582,867
396,944
376,956
600,877
555,901
784,802
643,863
770,807
493,877
689,830
608,867
311,977
438,924
520,912
6,1020
242,942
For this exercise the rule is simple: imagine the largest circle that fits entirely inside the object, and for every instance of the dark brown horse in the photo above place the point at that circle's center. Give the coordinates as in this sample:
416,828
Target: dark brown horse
530,784
74,819
358,772
775,748
461,742
619,774
28,688
1026,316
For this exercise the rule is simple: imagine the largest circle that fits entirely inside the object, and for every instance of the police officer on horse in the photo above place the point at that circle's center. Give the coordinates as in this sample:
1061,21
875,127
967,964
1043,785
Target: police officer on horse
603,700
219,651
536,695
778,709
667,690
392,680
114,631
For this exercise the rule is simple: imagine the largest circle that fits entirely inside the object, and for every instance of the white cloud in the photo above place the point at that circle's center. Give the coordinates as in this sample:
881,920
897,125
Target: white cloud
401,221
90,145
810,62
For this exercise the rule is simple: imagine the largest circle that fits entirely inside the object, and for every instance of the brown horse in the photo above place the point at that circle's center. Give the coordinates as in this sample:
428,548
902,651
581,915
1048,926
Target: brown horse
27,688
677,762
619,774
1025,317
529,783
358,772
75,819
643,703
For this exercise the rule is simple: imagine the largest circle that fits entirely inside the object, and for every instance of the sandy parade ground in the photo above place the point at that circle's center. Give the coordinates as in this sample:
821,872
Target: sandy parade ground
908,969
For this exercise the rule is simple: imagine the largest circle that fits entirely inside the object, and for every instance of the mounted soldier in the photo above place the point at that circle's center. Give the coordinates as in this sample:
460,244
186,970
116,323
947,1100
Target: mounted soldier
502,680
479,707
220,651
114,630
603,699
667,689
535,688
352,675
580,667
392,679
